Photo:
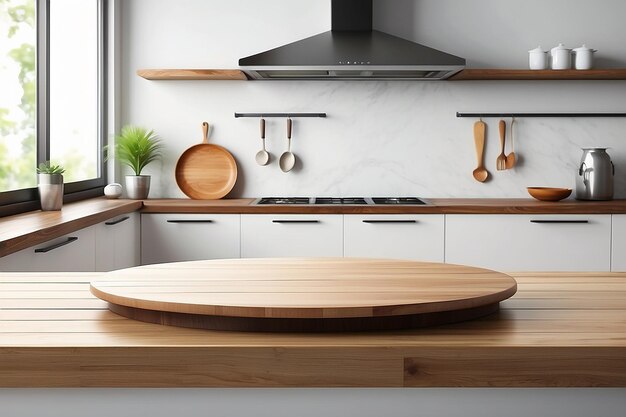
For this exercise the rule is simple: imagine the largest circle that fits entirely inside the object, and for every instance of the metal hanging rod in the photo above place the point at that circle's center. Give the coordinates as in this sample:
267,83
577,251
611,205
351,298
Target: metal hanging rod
291,115
486,115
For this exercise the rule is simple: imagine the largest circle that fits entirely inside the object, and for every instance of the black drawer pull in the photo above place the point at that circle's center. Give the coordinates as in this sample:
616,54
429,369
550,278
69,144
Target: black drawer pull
559,221
57,245
118,221
190,221
389,221
295,221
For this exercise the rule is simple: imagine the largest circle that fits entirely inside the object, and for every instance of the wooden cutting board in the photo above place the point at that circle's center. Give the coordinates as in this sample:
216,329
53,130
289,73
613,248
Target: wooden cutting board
206,171
304,294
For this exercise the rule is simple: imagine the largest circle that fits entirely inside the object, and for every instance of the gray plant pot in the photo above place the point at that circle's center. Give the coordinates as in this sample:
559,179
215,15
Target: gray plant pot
50,191
137,186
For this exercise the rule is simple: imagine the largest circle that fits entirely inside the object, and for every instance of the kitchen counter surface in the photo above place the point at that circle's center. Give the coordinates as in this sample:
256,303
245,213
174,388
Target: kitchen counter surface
436,206
559,330
24,230
28,229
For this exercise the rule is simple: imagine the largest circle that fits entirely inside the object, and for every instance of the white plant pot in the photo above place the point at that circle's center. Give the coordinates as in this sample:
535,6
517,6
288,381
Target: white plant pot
50,188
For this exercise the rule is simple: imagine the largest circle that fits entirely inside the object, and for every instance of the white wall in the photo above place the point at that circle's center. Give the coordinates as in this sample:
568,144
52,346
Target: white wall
380,138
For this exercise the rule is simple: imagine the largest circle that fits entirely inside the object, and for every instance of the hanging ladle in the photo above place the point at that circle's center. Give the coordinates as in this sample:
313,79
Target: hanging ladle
262,156
287,159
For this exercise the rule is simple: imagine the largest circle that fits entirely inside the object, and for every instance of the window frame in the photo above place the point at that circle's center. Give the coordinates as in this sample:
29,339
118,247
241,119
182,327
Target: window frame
27,199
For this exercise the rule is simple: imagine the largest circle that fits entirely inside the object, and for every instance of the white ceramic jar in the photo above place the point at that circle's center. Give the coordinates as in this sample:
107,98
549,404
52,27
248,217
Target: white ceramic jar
583,58
538,59
561,57
113,190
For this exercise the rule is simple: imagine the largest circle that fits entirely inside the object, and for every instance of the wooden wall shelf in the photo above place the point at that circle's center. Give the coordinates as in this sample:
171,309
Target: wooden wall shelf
192,74
465,75
522,74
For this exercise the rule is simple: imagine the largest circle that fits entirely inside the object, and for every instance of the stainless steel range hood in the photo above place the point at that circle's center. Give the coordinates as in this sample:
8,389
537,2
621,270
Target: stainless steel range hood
352,51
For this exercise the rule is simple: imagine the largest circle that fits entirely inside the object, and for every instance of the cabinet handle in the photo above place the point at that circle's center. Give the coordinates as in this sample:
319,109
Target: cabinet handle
190,221
57,245
295,221
118,221
559,221
389,221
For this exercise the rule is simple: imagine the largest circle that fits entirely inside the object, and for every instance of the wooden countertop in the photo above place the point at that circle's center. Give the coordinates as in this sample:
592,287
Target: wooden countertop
559,330
436,206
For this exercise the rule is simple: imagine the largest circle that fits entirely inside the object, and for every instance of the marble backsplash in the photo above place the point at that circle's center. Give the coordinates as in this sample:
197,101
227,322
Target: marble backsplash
380,138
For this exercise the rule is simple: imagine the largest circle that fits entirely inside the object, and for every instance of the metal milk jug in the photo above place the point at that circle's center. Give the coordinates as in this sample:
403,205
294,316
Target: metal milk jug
594,179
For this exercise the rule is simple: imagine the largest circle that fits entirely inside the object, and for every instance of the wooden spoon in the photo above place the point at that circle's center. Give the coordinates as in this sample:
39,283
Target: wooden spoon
480,173
510,158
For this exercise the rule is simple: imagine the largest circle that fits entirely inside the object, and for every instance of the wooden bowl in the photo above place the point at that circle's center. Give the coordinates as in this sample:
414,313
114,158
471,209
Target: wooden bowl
549,194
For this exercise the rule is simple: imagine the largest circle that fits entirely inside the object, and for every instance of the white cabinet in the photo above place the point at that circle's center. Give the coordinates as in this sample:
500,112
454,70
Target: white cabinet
189,237
530,242
289,235
618,260
118,243
414,237
74,252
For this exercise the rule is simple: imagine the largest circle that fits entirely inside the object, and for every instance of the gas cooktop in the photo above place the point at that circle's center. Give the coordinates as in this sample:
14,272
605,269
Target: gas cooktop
342,200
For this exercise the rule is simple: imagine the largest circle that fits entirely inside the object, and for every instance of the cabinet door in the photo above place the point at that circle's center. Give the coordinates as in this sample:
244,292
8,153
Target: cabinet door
275,235
618,262
118,243
74,252
530,242
415,237
189,237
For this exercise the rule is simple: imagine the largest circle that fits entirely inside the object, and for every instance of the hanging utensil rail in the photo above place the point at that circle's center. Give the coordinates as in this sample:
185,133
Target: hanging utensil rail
287,115
500,115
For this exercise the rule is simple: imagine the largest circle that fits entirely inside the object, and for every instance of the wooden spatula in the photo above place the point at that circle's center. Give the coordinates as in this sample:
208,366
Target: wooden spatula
480,173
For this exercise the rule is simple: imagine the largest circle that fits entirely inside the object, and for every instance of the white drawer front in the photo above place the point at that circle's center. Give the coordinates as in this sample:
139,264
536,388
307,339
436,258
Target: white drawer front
189,237
117,243
276,235
74,252
530,242
618,262
415,237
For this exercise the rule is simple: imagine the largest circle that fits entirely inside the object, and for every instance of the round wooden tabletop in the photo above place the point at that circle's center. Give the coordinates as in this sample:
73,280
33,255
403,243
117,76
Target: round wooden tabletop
322,294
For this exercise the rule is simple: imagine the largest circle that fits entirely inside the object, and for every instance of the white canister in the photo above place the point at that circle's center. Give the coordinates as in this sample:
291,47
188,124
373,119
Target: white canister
538,59
583,58
561,57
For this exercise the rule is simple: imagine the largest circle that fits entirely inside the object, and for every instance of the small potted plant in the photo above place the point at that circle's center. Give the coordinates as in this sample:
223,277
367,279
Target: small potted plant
136,147
50,185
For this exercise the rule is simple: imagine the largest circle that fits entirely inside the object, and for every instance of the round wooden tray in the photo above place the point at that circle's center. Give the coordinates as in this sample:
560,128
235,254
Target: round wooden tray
304,294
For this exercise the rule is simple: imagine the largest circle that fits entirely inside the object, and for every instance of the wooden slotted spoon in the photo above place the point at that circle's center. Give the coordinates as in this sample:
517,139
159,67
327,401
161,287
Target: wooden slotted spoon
501,161
480,173
510,158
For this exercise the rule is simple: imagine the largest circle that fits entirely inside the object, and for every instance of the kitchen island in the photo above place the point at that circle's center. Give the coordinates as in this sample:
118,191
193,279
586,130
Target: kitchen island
558,347
559,330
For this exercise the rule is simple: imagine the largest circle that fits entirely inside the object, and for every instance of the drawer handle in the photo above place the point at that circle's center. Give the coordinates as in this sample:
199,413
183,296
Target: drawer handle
57,245
389,221
559,221
190,221
118,221
295,221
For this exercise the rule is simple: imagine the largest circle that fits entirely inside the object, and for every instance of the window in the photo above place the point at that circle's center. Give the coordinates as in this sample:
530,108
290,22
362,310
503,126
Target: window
51,96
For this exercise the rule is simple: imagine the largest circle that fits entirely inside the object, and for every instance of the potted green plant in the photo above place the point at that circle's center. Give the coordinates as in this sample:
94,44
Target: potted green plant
136,147
50,186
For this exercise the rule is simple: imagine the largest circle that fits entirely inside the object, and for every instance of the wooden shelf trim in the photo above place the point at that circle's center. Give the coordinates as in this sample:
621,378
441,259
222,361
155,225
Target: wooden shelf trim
192,74
523,74
470,74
